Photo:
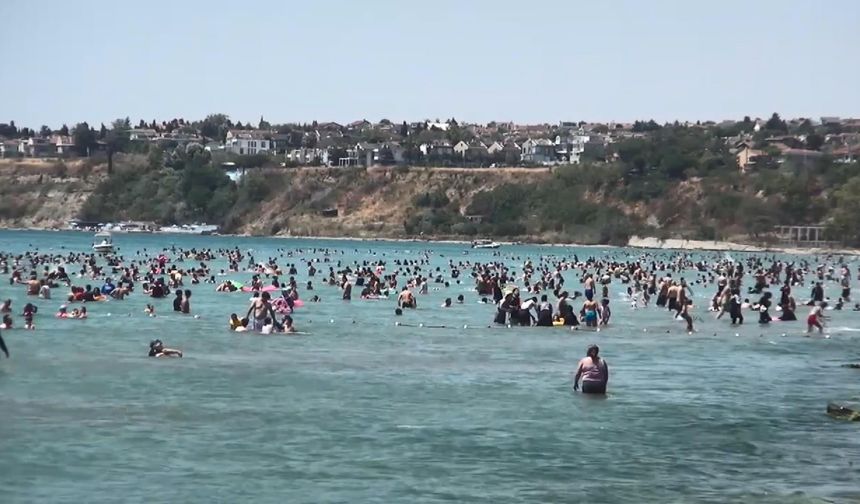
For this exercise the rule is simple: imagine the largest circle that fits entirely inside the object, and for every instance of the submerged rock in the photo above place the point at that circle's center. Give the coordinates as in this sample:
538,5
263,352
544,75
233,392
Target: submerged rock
843,413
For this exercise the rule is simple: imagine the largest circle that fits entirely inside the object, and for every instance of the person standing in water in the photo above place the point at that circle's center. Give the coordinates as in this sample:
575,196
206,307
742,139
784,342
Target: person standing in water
3,346
594,372
185,305
816,318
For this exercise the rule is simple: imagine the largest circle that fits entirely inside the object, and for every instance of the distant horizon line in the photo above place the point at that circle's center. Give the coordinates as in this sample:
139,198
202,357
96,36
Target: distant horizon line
814,119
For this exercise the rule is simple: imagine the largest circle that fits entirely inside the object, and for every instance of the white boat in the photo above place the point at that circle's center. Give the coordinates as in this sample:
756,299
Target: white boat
198,229
485,244
104,243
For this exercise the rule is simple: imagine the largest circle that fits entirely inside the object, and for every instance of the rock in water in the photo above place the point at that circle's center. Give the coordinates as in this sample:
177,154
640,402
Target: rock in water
843,413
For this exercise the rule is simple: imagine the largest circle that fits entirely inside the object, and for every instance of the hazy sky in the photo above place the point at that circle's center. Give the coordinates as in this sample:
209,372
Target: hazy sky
535,61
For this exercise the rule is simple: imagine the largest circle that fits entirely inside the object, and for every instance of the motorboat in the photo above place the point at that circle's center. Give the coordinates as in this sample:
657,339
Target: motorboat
197,229
485,244
103,243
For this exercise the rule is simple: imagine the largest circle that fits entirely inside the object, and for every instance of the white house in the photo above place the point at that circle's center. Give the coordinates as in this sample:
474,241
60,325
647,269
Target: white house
245,142
307,156
569,147
495,147
142,134
65,144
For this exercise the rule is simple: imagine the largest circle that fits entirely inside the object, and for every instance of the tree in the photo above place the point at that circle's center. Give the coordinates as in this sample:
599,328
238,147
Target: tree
263,124
806,127
775,123
117,139
83,138
215,126
9,130
404,130
844,224
814,141
64,130
102,132
45,131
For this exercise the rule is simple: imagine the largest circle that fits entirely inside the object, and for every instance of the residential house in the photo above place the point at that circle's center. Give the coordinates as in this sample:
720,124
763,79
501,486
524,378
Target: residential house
495,147
179,137
309,156
438,149
359,125
142,134
746,156
569,148
38,147
846,154
367,153
800,158
538,151
442,126
477,153
281,143
248,142
10,148
213,146
460,149
64,144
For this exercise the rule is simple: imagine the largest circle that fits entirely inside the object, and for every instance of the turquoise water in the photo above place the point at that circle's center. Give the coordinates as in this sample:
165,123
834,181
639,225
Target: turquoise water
360,410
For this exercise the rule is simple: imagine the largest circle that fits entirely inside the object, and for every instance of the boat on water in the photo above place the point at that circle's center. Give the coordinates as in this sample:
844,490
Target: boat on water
197,229
104,243
485,244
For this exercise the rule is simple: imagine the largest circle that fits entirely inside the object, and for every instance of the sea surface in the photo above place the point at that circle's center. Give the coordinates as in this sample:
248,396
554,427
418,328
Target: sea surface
361,410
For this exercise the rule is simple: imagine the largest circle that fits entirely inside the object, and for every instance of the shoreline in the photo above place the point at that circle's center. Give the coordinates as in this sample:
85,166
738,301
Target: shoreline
635,242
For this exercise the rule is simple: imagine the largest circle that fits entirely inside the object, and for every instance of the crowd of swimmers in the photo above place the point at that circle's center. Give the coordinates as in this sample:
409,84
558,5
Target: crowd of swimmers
531,294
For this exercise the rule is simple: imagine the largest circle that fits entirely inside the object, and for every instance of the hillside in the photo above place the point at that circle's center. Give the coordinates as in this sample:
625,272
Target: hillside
673,194
45,194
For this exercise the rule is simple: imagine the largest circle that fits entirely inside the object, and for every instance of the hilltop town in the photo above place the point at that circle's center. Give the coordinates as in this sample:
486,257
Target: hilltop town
431,143
760,180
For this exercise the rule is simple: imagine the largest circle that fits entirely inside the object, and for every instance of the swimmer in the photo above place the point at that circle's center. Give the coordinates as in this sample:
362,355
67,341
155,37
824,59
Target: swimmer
243,326
447,303
3,346
287,324
157,349
7,322
234,321
816,318
594,372
268,326
406,299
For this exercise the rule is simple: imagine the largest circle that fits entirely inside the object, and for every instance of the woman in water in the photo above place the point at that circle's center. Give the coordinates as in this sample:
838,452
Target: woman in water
594,373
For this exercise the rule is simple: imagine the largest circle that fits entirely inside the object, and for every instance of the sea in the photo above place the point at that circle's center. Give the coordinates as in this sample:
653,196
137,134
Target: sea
440,408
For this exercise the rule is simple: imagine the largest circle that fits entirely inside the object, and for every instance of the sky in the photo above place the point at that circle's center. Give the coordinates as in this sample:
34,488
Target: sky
474,60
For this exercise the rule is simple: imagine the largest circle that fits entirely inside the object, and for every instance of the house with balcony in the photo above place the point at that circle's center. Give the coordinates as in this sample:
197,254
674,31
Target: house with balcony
538,151
248,142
